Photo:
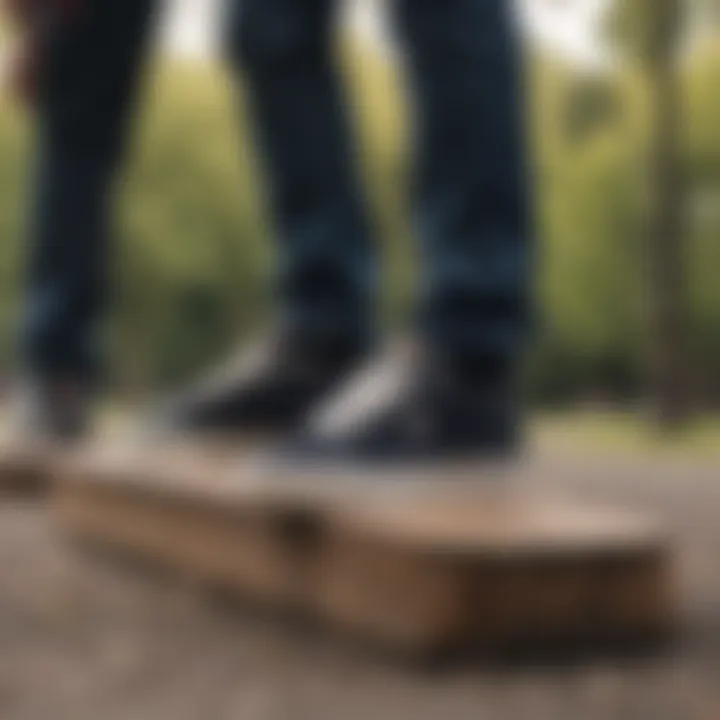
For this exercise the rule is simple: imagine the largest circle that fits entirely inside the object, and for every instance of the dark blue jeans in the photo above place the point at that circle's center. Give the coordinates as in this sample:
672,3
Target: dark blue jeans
470,199
85,100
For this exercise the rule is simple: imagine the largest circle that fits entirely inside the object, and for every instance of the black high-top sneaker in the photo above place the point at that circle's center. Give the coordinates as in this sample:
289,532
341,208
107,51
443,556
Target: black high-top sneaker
410,408
268,387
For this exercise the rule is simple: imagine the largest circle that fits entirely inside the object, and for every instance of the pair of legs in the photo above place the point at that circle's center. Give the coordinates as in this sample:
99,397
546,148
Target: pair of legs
469,196
471,215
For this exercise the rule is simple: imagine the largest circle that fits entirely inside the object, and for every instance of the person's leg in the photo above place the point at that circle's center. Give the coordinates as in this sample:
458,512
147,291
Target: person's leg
283,48
451,394
89,68
463,63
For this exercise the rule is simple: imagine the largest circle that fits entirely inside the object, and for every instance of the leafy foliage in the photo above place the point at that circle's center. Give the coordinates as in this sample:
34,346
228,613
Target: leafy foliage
192,263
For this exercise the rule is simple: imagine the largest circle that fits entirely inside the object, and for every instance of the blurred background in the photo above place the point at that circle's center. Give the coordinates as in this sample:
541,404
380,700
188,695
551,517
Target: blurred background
624,107
624,118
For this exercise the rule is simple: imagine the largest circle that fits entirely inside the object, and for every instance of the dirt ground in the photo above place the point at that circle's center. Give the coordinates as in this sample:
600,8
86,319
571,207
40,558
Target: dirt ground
81,639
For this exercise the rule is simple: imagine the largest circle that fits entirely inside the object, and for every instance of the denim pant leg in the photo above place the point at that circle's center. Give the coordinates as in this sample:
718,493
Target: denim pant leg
472,211
91,62
326,272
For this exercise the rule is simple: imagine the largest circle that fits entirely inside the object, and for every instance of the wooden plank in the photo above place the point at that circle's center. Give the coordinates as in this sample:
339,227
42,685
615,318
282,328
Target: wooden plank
187,510
495,574
25,469
444,569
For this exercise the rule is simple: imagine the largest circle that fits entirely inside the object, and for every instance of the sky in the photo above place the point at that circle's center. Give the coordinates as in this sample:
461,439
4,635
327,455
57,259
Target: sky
568,27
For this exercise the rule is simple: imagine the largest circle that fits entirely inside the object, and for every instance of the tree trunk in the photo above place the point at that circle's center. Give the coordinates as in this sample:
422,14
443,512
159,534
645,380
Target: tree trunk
665,256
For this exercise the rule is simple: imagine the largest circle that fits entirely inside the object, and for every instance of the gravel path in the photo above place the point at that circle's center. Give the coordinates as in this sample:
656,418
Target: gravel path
83,640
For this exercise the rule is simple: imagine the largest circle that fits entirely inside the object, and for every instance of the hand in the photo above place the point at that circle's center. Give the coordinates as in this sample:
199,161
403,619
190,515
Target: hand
32,18
23,70
23,12
33,12
21,73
